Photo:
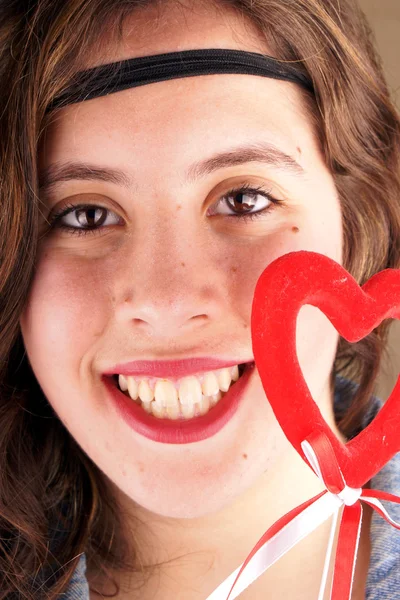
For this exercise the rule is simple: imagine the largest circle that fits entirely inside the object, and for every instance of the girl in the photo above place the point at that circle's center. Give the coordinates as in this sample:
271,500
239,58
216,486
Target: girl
139,455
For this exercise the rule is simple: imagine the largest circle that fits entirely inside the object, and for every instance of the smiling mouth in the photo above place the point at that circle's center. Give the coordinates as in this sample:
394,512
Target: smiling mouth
184,399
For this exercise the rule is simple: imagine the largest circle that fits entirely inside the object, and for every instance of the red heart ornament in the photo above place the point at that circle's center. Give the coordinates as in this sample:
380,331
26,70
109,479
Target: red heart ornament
288,283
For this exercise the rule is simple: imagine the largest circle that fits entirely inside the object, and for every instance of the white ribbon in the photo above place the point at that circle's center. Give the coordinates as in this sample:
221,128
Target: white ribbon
348,495
297,529
294,531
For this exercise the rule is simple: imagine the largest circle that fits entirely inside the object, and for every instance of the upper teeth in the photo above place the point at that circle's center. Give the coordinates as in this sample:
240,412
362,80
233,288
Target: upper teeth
189,390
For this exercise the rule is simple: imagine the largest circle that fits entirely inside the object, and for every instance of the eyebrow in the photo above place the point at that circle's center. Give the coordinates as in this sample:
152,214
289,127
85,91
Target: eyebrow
257,152
262,152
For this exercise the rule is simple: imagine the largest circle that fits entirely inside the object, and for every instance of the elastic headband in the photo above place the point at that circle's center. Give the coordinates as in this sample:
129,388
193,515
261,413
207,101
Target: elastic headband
114,77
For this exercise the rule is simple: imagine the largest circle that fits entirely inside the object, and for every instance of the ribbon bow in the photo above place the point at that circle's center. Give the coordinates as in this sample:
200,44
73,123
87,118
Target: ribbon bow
302,520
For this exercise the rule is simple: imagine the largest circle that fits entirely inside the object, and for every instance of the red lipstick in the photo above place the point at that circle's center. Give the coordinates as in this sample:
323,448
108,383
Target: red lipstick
180,431
173,369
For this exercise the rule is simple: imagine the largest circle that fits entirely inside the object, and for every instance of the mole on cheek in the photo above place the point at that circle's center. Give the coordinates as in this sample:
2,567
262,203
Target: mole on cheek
295,229
245,456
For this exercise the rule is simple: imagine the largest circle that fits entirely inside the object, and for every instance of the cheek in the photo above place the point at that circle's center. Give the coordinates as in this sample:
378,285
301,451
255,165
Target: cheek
64,314
251,260
246,263
316,338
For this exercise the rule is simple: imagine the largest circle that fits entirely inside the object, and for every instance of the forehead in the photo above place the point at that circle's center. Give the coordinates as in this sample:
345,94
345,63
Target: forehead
167,116
175,122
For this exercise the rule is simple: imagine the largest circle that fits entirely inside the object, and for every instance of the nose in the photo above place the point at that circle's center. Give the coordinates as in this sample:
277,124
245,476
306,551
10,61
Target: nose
171,283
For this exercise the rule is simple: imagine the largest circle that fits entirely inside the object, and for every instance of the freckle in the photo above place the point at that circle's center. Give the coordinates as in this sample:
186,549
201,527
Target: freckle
183,264
245,456
245,326
298,149
178,206
234,269
295,229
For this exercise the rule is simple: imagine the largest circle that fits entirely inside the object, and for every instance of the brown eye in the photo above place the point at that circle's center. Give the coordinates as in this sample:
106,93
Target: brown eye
240,202
91,217
82,219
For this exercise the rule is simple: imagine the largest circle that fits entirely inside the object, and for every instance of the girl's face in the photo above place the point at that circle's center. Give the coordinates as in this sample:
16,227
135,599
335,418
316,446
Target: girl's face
168,274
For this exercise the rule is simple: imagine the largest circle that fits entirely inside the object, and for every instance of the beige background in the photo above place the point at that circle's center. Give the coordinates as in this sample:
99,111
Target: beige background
384,17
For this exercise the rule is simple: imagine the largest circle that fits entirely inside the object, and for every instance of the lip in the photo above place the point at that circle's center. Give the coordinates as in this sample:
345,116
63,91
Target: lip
172,368
181,431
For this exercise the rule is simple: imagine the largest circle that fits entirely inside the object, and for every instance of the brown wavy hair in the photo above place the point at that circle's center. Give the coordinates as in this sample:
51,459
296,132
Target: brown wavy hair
48,485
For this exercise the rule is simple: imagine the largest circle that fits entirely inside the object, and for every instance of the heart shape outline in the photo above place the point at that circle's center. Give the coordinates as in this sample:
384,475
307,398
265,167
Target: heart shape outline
305,277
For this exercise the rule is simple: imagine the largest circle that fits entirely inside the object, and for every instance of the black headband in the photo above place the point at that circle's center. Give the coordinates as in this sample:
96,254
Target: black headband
114,77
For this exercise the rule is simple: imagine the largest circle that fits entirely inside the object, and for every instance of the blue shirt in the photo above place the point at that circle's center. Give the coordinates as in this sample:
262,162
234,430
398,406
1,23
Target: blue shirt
383,582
